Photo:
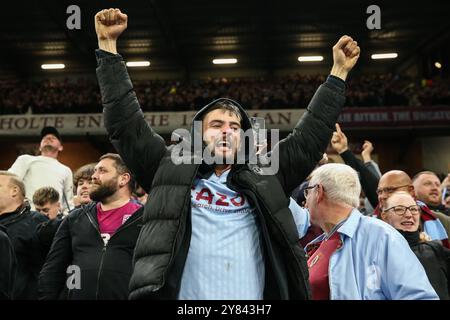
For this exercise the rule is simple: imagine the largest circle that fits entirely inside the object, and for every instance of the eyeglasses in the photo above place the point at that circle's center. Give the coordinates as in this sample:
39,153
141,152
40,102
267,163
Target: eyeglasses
390,190
401,210
307,189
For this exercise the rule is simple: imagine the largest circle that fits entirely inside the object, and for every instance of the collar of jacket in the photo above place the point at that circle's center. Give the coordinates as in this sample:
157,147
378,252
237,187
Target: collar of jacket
6,217
90,210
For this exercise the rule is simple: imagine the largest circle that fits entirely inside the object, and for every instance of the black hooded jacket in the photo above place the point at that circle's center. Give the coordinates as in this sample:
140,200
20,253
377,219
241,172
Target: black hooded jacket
104,269
435,259
21,226
163,244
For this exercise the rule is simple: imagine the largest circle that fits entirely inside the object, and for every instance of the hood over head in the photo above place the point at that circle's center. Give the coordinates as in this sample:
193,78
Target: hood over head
245,121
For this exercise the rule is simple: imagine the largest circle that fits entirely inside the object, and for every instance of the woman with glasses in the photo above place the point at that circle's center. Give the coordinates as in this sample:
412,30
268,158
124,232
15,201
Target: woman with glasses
402,212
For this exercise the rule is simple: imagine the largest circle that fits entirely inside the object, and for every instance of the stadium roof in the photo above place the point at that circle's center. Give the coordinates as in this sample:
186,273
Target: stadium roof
186,34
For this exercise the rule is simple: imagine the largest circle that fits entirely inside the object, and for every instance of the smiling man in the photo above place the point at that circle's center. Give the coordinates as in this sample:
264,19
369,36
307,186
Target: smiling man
428,190
45,170
216,229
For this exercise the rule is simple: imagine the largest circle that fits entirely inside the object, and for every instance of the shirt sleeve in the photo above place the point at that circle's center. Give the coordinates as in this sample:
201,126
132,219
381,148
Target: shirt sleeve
301,218
373,166
20,166
68,191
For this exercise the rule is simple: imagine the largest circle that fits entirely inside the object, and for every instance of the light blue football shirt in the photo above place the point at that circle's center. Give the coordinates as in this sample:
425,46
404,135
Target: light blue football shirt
225,259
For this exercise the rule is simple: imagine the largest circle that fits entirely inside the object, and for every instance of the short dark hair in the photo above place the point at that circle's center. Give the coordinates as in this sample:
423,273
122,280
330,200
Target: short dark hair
424,172
225,105
118,162
121,167
44,195
84,172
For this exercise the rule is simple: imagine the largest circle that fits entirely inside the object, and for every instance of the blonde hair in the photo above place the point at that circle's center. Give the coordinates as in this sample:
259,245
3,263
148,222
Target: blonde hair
15,181
385,206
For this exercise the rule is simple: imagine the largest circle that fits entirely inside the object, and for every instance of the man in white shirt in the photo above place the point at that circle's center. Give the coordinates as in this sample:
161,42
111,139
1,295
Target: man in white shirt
45,170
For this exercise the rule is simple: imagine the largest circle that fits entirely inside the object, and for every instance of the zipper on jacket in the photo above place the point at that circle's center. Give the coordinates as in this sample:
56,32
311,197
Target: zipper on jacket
172,252
105,245
261,220
306,292
264,231
100,271
253,195
103,253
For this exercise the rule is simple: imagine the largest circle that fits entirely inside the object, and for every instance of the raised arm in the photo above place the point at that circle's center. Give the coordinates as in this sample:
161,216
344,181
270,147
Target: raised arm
369,181
139,145
366,155
303,148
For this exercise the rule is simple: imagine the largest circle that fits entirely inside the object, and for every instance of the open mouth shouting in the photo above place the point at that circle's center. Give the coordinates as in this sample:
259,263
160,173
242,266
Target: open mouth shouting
223,144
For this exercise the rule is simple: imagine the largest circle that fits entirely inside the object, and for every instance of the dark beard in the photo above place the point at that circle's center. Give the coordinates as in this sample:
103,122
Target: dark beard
221,158
104,191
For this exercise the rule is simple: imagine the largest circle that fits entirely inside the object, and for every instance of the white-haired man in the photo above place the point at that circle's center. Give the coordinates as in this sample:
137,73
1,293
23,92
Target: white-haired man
357,257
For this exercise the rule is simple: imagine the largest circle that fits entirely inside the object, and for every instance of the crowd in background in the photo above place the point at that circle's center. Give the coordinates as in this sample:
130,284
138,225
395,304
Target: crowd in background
294,91
38,226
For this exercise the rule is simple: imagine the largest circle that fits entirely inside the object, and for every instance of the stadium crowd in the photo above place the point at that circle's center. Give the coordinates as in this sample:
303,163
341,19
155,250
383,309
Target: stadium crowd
37,248
195,221
294,91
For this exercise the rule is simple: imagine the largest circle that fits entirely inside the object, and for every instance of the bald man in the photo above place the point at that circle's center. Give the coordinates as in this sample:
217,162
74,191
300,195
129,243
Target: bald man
391,181
397,180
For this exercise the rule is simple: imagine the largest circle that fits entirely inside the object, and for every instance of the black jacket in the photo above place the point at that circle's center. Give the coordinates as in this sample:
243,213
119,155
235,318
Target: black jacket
105,270
369,180
435,260
163,245
7,266
46,232
21,227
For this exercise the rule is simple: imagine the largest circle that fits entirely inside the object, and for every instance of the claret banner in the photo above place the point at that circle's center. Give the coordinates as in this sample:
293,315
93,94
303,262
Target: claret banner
282,119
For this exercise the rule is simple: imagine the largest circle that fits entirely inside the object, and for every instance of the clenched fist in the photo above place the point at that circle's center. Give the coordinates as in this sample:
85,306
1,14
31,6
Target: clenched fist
109,25
345,54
